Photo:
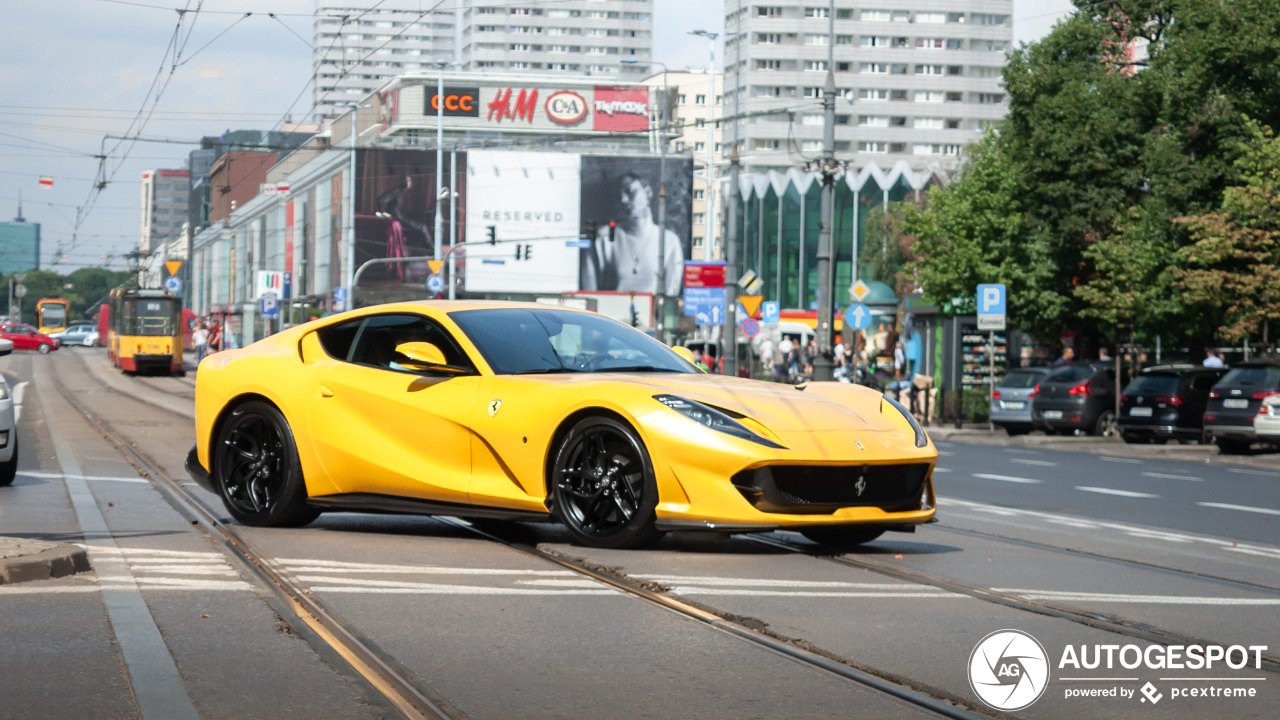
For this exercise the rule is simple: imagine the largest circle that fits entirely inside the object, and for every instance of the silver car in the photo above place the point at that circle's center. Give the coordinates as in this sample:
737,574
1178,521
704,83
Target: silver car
1011,401
8,426
82,334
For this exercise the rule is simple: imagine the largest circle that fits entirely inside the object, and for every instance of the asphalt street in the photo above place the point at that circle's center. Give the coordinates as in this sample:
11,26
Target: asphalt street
1076,549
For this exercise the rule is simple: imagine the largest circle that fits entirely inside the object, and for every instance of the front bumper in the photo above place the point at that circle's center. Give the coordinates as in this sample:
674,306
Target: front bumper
197,471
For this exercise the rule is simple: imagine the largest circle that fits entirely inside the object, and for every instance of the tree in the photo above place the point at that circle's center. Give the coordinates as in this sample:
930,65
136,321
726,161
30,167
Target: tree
1232,266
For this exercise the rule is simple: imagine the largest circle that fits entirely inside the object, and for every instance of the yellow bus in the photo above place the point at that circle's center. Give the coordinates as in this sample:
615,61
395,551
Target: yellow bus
51,315
144,330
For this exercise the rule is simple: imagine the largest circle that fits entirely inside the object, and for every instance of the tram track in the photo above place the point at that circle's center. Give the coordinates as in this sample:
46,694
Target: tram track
323,628
1097,621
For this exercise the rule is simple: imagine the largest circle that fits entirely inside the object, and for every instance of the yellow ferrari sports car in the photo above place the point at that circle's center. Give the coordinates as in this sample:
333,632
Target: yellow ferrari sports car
519,411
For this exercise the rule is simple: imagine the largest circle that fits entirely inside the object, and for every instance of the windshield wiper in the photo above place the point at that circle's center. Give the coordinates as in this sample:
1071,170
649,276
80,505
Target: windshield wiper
548,371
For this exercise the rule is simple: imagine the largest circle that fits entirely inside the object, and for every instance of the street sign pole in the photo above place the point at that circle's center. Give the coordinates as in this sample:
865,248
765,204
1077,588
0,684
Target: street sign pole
992,311
991,378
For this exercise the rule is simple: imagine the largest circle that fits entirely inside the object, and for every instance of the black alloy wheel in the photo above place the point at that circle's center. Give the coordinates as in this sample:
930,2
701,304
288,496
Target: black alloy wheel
255,465
603,485
843,537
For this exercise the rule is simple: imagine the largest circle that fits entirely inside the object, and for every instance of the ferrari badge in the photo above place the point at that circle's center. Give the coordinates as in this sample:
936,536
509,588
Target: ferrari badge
494,406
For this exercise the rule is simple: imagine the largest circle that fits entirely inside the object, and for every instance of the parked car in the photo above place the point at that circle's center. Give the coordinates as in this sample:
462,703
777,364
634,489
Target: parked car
1267,423
1076,396
8,426
1236,400
1166,401
25,337
84,334
1011,400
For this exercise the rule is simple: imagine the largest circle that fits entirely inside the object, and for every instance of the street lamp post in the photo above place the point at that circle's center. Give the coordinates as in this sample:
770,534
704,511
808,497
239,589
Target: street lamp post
351,211
660,298
822,365
435,240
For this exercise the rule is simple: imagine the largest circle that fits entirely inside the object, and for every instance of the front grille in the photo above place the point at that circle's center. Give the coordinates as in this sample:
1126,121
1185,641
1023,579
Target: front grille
821,490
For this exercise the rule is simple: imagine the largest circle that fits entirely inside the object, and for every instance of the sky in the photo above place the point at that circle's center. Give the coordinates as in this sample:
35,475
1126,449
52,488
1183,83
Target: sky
74,71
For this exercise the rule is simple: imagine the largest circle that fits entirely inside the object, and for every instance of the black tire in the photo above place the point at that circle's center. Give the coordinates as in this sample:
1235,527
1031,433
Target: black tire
1015,430
603,487
256,468
1159,440
843,537
1103,423
1133,439
44,348
9,470
1233,447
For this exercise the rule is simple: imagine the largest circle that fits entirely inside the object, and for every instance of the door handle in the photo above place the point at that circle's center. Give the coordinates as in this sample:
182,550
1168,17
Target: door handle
325,391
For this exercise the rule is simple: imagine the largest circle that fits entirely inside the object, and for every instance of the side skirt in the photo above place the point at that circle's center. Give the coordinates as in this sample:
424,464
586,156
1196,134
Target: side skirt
390,504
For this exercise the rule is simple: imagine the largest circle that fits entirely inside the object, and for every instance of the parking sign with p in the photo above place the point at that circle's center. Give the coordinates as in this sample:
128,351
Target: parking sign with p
992,301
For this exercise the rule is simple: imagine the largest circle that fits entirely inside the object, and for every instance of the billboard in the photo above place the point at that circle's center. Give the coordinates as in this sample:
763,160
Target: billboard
621,109
506,106
395,212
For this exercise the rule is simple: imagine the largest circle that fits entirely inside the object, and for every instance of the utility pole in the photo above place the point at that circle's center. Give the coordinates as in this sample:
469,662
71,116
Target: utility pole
731,216
439,172
822,369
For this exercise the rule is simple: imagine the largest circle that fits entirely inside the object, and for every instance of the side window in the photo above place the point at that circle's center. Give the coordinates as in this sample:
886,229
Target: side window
337,339
382,333
1203,383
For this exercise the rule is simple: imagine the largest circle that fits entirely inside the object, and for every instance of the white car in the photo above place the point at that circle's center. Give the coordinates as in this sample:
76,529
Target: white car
84,334
1267,423
8,426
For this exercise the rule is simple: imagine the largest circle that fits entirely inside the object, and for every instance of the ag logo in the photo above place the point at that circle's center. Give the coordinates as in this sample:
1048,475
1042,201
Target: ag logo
566,107
494,406
1008,670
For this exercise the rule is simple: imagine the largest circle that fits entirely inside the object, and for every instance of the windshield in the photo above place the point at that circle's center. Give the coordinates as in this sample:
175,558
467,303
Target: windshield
53,315
1020,379
524,341
151,318
1070,374
1264,377
1153,385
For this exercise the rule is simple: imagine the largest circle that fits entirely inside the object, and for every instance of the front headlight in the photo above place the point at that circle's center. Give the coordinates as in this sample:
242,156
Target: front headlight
921,438
4,391
712,418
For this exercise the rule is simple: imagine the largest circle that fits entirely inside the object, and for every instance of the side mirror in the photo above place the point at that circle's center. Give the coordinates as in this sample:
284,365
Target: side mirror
425,357
685,353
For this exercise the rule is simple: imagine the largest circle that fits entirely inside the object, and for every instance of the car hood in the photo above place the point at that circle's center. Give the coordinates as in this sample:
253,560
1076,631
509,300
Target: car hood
782,408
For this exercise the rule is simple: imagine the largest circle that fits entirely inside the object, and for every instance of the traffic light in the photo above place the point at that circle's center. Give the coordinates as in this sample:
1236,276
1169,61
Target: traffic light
613,231
519,248
528,251
493,234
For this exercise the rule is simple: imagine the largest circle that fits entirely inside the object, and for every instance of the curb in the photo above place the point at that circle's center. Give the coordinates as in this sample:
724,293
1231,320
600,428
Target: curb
23,560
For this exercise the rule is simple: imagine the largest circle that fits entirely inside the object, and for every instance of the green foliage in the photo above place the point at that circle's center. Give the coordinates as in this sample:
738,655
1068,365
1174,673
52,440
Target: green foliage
1073,199
88,288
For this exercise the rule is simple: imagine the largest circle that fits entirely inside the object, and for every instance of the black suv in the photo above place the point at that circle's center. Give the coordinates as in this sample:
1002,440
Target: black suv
1235,401
1166,401
1077,396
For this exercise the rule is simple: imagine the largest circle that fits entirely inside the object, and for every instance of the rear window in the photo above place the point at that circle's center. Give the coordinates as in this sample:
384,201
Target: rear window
1153,385
1020,379
1070,374
1261,377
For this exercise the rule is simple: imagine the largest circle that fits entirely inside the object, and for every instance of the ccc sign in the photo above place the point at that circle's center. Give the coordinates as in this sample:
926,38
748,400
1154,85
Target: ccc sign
458,102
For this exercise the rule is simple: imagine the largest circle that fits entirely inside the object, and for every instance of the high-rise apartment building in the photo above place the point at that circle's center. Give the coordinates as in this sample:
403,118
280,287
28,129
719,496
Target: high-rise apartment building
163,200
916,80
359,47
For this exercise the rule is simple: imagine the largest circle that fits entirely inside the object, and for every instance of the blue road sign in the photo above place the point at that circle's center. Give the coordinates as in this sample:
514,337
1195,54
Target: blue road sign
858,316
771,311
435,283
288,286
750,327
583,243
339,299
705,304
992,302
173,284
268,306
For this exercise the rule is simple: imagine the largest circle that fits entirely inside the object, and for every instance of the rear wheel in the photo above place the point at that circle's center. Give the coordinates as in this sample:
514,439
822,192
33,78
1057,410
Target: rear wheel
9,470
1134,439
256,468
603,485
842,537
1103,424
1015,430
44,348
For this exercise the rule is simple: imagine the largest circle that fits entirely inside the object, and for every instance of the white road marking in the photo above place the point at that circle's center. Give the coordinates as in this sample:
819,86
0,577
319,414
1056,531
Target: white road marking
1071,523
1040,463
1262,552
1163,476
1253,472
942,470
562,583
997,511
771,583
1111,491
945,453
813,594
59,476
334,566
1242,508
1007,478
1108,458
1074,596
1159,536
352,585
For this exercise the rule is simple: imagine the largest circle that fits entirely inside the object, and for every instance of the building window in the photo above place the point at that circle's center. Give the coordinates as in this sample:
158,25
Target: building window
844,39
930,96
873,94
987,72
815,38
873,147
697,241
816,12
989,98
768,64
987,19
875,16
699,99
873,67
953,123
811,119
699,218
931,17
813,92
811,145
699,194
815,66
769,38
930,43
768,11
927,123
762,144
928,69
873,120
873,41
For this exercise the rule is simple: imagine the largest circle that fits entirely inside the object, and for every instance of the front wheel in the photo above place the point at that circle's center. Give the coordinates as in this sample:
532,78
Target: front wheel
44,348
9,470
256,468
842,537
603,486
1103,426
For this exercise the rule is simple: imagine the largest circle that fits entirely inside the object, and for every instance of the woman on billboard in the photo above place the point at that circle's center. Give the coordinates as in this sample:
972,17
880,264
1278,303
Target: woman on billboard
625,257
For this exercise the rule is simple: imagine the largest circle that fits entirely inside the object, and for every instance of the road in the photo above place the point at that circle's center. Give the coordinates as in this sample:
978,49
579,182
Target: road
496,621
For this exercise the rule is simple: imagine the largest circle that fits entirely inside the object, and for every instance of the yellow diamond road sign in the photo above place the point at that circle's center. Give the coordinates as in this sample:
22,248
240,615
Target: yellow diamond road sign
859,290
435,266
751,303
173,266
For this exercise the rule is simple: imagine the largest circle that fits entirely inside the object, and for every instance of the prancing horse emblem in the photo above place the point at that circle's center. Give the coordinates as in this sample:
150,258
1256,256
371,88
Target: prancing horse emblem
860,485
494,406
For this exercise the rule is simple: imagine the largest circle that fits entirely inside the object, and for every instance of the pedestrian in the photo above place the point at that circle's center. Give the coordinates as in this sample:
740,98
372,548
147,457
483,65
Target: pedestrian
1212,359
1104,355
200,339
215,337
1068,356
767,361
899,360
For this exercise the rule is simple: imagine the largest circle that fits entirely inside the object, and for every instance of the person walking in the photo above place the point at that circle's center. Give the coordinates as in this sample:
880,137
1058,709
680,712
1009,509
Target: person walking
1212,359
200,339
1068,356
